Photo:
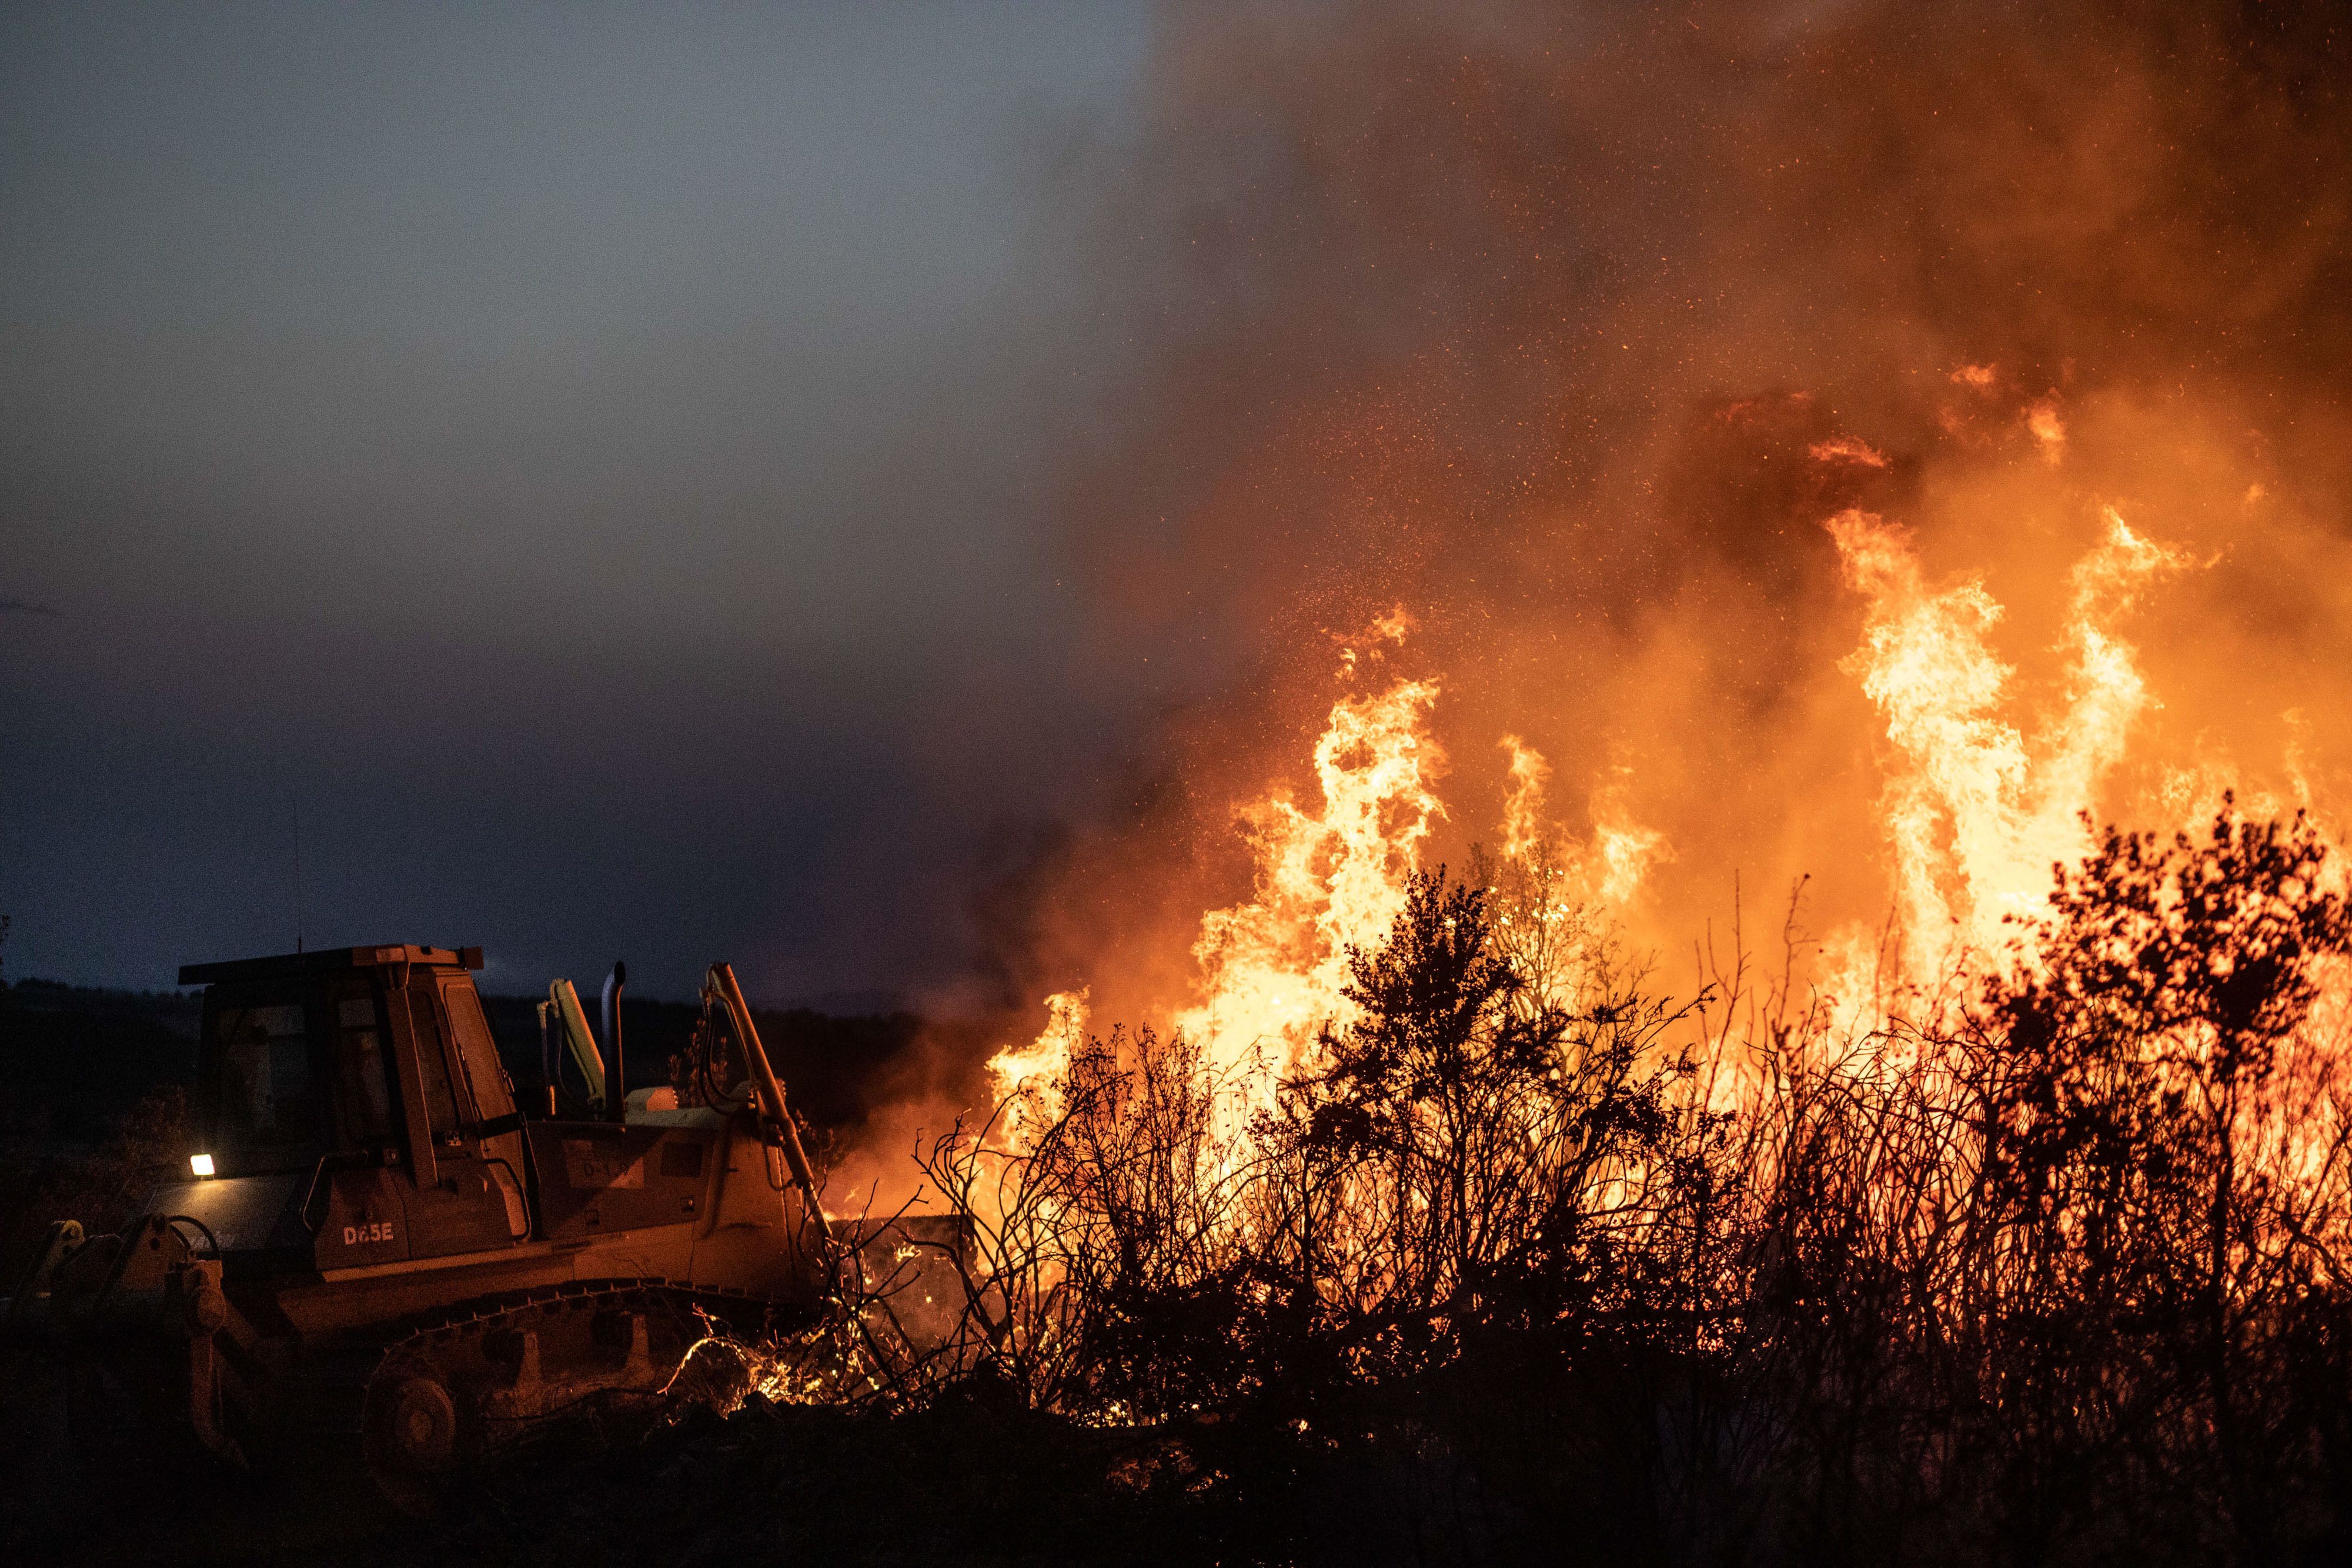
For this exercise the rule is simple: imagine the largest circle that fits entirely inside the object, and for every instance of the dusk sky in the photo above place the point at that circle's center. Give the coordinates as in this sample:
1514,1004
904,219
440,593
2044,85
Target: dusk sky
866,491
584,461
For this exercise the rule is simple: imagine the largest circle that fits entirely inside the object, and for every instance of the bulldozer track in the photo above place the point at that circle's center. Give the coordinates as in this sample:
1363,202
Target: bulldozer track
436,1389
461,1318
430,1335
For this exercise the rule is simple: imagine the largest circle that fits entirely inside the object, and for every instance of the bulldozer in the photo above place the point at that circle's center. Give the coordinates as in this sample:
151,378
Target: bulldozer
377,1248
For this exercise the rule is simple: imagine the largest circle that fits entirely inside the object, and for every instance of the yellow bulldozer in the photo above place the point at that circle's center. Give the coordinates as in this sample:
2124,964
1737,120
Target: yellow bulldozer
377,1248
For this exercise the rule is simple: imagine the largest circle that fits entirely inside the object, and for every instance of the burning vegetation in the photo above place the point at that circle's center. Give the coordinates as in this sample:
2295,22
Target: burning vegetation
1513,1258
2010,1230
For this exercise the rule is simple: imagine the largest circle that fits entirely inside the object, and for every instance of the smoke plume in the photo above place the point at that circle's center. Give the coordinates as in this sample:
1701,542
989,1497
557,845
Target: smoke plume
1569,331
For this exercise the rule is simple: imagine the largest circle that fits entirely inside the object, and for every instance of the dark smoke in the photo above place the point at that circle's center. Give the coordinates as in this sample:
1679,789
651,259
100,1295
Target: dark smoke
1526,320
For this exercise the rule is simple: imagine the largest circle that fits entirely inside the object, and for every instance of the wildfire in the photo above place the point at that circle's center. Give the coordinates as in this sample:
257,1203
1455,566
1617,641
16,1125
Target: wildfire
1330,876
1988,781
1330,879
1026,1076
1974,812
1977,805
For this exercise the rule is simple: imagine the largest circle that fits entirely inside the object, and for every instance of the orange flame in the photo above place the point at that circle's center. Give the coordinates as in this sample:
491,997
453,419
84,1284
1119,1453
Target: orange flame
1987,786
1028,1077
1331,878
1975,814
1523,800
1272,969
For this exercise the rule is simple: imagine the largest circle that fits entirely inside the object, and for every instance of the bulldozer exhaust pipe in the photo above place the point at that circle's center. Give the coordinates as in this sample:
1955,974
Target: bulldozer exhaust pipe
616,1085
547,1028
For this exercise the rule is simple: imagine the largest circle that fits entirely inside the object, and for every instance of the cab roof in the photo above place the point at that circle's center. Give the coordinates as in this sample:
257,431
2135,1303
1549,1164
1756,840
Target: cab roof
326,960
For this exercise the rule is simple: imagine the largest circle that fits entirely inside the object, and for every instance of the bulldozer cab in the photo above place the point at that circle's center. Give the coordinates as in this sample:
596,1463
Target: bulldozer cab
354,1110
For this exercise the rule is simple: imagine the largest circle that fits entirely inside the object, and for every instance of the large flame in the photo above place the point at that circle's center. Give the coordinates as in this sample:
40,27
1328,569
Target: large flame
1985,791
1330,880
1989,777
1331,876
1976,813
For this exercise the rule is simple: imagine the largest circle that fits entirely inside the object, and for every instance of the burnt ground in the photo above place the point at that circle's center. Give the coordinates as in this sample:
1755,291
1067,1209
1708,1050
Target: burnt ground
970,1480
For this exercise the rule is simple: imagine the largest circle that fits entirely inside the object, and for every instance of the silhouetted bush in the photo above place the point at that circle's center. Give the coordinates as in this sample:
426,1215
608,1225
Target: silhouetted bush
2046,1270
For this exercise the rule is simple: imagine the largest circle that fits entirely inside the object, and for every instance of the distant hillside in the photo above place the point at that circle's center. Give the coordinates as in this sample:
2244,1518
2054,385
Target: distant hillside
75,1060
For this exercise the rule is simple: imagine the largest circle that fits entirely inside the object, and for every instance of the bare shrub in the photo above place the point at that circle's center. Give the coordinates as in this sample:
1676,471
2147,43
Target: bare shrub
2049,1270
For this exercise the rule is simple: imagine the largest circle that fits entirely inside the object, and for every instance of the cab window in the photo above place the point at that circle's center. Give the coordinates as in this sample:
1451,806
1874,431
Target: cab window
265,1107
433,1067
478,1055
364,1087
